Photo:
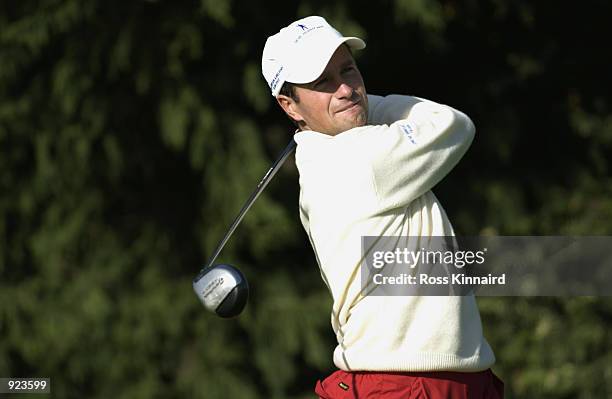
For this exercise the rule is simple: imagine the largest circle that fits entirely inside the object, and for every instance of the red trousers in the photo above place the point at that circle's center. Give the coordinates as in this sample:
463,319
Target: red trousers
431,385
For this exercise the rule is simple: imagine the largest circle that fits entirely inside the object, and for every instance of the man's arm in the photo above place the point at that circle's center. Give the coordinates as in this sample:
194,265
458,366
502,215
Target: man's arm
419,144
389,109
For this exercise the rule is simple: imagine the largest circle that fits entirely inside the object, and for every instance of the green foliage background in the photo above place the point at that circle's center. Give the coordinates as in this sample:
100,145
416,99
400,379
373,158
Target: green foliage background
132,132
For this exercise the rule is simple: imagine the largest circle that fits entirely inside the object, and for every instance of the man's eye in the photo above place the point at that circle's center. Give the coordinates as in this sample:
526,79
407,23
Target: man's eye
348,69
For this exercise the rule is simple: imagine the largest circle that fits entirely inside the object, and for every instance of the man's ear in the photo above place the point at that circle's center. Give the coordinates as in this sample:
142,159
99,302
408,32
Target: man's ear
289,106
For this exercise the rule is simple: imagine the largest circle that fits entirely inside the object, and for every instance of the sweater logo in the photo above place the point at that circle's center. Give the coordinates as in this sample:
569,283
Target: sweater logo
406,128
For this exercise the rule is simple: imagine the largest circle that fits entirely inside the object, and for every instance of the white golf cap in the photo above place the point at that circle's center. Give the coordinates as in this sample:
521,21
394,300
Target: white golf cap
300,52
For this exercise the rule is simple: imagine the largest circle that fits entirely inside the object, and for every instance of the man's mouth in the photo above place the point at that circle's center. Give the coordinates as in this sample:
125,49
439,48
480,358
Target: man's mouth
350,106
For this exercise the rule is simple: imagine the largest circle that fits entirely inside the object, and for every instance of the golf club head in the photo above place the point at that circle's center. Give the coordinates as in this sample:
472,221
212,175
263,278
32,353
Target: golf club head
222,289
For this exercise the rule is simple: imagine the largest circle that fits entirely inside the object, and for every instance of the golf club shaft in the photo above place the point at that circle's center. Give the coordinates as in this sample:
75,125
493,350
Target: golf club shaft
258,190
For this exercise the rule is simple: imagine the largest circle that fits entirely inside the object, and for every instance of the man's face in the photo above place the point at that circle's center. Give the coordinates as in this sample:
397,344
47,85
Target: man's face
335,102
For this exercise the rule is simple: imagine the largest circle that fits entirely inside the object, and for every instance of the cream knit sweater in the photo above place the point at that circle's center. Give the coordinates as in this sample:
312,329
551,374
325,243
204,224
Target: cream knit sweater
375,180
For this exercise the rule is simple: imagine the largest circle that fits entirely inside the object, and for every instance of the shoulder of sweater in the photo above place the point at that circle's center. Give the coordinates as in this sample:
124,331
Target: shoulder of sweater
390,108
310,136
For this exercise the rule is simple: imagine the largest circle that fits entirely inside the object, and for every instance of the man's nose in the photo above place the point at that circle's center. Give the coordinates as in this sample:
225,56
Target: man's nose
344,91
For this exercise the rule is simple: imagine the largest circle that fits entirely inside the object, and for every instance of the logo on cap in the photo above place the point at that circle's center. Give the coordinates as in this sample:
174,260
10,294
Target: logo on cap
275,79
305,30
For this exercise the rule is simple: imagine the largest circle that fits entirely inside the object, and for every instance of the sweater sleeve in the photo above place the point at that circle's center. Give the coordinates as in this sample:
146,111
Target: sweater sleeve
389,109
417,144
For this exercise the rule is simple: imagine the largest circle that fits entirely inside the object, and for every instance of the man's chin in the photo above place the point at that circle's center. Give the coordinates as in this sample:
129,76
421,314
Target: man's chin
360,119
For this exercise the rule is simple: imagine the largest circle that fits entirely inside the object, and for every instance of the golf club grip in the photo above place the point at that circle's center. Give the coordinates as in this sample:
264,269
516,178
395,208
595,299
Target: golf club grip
258,190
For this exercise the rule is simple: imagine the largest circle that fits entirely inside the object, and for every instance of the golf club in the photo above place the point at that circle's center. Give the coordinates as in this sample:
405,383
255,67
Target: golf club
223,289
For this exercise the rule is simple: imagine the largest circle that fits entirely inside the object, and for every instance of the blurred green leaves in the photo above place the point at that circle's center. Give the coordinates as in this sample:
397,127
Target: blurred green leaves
132,133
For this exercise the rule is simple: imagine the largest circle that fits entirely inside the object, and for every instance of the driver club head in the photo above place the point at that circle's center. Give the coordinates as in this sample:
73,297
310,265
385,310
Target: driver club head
222,289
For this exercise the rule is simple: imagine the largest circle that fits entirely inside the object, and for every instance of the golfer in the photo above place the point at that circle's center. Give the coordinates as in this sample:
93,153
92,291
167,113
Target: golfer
367,165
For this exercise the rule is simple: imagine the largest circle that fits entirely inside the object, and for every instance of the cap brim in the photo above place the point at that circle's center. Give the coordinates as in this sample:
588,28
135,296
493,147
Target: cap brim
312,61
